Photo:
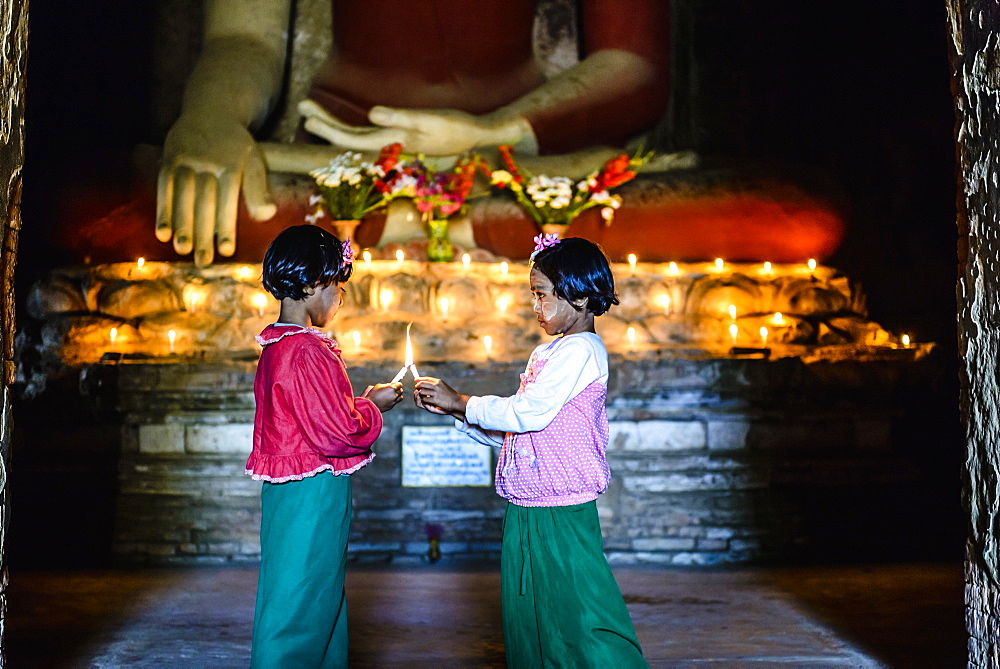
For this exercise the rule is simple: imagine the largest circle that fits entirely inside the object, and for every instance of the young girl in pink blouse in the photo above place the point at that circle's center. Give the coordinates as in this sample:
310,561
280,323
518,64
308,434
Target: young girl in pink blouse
310,433
561,605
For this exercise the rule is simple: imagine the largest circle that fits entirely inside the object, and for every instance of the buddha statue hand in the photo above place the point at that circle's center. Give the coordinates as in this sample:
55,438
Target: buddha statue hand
205,163
435,132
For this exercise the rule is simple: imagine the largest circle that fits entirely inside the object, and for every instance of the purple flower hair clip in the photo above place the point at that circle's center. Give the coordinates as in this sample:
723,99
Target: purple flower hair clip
544,241
347,251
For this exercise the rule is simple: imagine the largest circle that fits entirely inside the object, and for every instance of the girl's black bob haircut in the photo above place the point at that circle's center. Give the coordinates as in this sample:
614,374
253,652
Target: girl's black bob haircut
578,268
301,257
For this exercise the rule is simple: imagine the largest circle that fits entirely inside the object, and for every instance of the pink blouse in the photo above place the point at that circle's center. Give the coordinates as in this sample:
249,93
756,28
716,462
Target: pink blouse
308,419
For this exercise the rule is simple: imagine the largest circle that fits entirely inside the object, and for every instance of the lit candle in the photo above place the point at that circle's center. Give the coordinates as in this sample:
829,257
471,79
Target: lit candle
767,267
443,304
504,268
631,262
259,300
113,335
367,257
732,312
672,269
466,259
904,340
778,319
720,264
408,365
171,338
502,303
139,263
400,256
665,303
245,272
733,331
385,299
812,264
356,336
763,336
192,296
488,345
630,333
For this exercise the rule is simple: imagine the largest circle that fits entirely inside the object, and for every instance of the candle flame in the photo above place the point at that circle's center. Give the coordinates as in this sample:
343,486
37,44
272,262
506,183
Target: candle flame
488,344
905,339
665,302
244,272
812,264
140,262
672,269
408,358
778,318
466,259
733,331
400,256
732,312
443,303
113,335
631,336
259,301
763,334
367,257
502,303
632,260
385,298
719,264
356,336
767,267
504,268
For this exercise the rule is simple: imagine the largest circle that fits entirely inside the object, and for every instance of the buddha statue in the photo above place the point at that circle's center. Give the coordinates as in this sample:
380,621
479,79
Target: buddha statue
444,77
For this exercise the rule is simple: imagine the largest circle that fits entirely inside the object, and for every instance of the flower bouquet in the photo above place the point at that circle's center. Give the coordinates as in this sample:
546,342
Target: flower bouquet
439,195
349,188
553,202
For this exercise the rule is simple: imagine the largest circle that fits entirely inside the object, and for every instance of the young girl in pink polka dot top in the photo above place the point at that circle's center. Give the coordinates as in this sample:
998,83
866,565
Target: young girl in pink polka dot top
561,605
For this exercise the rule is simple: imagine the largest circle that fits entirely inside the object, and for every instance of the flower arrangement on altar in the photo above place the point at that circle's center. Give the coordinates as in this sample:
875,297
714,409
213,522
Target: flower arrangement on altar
553,202
349,188
439,195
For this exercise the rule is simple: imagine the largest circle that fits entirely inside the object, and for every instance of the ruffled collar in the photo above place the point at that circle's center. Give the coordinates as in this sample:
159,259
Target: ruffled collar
275,333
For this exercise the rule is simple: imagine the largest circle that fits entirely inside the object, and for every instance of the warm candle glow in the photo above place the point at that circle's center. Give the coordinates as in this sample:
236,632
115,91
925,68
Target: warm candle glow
400,256
672,269
367,257
905,340
171,338
632,261
502,303
733,331
466,260
732,312
767,268
631,337
778,319
385,298
720,264
408,357
192,296
140,262
245,272
504,268
113,335
665,303
488,345
812,264
356,337
763,335
443,304
259,301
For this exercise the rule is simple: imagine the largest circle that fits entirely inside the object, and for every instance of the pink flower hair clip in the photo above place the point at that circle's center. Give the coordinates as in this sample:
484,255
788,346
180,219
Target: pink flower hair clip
347,251
544,241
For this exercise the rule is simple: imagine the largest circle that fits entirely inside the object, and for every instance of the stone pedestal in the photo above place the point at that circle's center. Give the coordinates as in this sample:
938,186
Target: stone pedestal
714,461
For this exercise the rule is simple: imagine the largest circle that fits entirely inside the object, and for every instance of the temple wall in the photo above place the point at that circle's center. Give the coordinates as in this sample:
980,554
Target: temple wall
973,32
714,461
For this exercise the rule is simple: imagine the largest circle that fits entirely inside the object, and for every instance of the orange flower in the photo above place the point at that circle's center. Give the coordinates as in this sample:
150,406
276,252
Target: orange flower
507,153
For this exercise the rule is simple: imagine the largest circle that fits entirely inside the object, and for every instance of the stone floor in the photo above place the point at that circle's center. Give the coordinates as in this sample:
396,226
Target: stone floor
448,616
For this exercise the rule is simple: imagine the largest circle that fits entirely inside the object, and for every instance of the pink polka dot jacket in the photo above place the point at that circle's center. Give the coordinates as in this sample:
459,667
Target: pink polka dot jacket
554,430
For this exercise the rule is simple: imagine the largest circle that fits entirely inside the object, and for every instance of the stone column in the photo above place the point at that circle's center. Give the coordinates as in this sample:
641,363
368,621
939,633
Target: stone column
975,31
13,61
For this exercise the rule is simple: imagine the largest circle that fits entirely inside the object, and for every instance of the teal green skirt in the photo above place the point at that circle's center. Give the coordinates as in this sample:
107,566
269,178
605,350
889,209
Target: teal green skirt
301,614
561,605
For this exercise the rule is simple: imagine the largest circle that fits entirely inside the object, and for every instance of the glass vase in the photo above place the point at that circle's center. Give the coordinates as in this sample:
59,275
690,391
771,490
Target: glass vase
439,248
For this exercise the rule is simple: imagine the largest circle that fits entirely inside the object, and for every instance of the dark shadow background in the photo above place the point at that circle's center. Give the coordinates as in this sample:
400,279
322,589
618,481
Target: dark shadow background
856,91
